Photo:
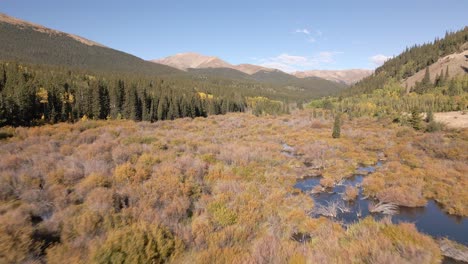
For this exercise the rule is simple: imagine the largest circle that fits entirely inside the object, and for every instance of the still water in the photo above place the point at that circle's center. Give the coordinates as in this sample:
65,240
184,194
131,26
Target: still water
429,219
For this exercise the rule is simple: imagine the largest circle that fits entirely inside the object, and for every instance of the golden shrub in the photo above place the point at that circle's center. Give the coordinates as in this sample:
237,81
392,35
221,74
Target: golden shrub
138,243
124,173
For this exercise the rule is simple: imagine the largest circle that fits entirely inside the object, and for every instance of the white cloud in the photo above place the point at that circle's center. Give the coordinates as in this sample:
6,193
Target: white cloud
327,56
291,63
303,31
290,59
278,65
311,35
379,59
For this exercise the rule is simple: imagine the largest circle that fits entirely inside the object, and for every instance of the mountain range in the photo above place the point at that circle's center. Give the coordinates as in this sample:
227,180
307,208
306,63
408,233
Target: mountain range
190,61
27,42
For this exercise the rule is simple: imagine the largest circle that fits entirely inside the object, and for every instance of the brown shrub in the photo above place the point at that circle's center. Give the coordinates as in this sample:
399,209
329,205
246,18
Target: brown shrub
351,193
410,196
327,182
16,243
100,200
373,184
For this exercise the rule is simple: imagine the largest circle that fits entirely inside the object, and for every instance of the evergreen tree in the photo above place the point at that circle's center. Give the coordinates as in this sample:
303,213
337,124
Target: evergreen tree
337,127
120,95
415,119
426,81
429,116
162,108
454,88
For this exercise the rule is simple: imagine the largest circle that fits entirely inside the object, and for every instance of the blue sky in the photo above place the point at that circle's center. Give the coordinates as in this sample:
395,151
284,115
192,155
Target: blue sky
291,35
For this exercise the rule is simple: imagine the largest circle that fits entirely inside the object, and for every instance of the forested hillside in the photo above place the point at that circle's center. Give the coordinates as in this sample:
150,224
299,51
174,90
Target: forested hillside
28,43
279,84
383,94
411,61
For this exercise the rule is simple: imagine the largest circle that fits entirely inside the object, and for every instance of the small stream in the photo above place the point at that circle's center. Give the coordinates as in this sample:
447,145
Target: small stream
431,219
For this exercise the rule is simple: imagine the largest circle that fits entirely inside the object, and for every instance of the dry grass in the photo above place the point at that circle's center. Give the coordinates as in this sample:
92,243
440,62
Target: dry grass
383,208
220,186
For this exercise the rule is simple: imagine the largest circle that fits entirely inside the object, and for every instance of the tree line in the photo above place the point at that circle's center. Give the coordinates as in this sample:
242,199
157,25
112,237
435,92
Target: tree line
31,95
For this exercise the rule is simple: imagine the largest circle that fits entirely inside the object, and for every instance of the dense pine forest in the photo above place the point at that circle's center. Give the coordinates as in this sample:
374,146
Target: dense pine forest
33,95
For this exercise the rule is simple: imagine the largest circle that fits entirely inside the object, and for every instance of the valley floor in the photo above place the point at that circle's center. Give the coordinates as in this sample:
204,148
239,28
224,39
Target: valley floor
219,190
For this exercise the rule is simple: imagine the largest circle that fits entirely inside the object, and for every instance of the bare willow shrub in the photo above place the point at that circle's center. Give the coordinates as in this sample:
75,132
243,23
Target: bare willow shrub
100,200
268,249
351,193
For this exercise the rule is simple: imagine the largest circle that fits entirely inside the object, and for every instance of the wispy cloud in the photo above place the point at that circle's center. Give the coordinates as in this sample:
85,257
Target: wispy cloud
312,35
379,59
292,63
303,31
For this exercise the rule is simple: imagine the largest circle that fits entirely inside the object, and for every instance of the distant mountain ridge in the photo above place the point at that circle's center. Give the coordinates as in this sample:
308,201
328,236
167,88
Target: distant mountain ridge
192,60
345,76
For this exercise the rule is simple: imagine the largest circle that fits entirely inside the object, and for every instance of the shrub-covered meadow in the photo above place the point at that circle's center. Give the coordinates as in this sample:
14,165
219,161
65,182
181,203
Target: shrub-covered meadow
218,190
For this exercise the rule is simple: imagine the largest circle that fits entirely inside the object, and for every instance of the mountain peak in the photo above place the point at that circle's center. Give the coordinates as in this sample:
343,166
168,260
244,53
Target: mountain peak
187,60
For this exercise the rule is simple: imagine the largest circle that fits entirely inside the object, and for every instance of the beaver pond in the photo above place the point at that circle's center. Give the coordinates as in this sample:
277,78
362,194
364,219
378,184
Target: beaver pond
431,219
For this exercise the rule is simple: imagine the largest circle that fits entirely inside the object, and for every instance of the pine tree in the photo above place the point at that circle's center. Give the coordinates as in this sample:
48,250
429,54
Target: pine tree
454,88
416,120
337,127
429,116
162,108
426,81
